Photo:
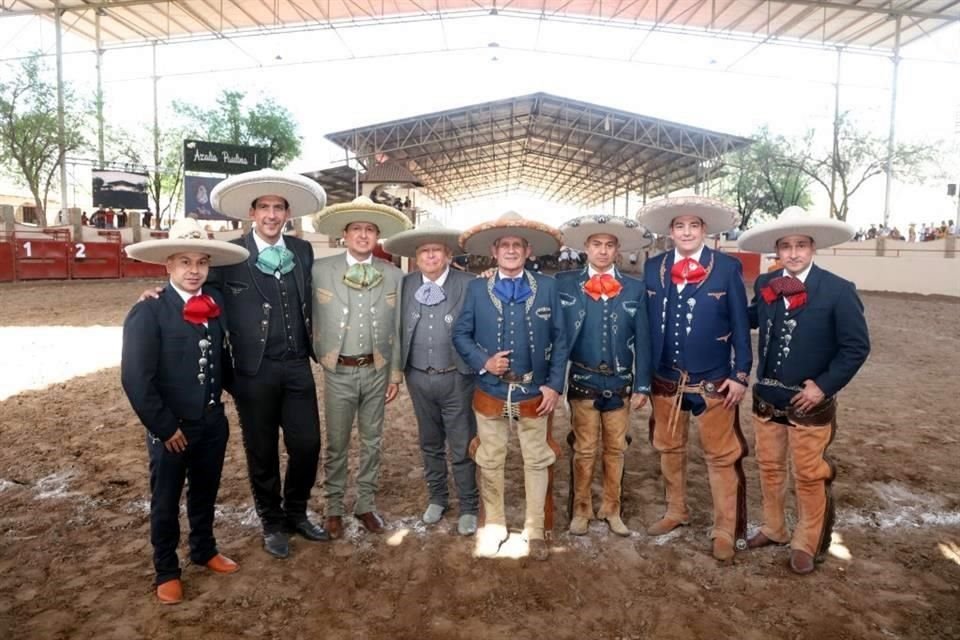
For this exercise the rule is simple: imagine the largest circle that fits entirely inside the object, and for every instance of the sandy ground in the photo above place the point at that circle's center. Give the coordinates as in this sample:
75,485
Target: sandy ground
75,554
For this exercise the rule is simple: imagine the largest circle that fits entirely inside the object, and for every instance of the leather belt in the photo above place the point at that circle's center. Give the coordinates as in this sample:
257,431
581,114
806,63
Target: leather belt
577,392
434,371
822,414
603,369
516,378
664,387
356,361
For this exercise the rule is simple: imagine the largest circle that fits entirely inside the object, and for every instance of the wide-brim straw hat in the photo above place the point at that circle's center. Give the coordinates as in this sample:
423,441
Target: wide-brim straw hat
429,231
186,236
542,238
235,196
717,216
630,233
332,221
795,221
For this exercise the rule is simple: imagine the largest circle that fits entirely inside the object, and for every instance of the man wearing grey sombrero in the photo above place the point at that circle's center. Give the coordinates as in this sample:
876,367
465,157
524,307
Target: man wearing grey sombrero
700,339
813,340
175,364
607,327
439,381
357,310
268,299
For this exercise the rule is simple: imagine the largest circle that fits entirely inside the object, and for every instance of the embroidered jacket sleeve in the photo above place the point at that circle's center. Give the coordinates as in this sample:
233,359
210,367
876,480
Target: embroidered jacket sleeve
464,330
396,372
138,370
739,325
642,351
557,377
853,342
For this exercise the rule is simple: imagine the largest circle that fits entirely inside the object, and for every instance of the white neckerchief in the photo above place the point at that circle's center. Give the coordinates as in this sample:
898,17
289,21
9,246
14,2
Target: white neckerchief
677,258
802,277
439,281
593,272
186,296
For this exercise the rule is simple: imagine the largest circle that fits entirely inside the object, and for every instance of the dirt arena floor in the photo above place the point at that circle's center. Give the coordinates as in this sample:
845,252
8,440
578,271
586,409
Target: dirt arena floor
75,553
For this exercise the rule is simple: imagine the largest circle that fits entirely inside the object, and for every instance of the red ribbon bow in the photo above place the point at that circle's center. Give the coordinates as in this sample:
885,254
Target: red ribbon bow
200,308
600,284
785,287
689,271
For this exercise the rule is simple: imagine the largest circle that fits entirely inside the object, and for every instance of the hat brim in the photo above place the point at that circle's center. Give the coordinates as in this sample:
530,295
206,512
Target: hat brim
825,233
543,240
332,221
234,196
158,251
406,243
629,239
716,216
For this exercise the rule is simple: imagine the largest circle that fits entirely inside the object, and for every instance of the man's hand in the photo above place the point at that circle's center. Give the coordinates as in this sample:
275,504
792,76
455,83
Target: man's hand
177,443
638,400
488,273
393,390
735,392
498,363
150,293
807,399
549,402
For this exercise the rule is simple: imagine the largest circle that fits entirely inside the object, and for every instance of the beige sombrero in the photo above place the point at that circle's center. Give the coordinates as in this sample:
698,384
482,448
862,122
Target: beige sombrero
630,233
658,215
428,231
795,221
543,238
235,196
334,219
186,236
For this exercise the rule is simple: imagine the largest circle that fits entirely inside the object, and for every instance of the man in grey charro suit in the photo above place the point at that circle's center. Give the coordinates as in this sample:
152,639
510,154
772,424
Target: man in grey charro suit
356,302
439,381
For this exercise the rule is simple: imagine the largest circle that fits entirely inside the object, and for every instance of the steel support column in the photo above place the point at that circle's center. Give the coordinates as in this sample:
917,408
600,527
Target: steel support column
892,138
61,129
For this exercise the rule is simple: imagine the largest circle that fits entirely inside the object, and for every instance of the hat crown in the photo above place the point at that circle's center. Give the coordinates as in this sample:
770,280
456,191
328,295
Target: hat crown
796,212
186,229
511,216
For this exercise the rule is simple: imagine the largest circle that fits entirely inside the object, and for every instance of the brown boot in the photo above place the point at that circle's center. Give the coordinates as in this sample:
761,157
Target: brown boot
813,475
723,549
672,446
801,562
538,549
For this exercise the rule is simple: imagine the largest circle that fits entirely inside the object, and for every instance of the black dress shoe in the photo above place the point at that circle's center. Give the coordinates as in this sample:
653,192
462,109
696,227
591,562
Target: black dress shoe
310,531
277,544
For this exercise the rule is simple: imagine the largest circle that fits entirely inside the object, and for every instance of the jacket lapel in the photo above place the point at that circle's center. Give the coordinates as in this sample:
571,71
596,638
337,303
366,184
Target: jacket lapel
377,292
252,263
453,287
337,272
812,285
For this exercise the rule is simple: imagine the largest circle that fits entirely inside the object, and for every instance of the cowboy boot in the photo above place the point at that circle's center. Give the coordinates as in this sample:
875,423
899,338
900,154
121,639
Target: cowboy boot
772,446
673,467
494,530
615,425
813,474
535,483
585,425
724,448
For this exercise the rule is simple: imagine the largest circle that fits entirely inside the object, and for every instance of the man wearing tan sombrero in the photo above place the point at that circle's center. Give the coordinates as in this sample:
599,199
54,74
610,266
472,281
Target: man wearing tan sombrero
607,327
174,366
440,383
511,331
813,340
700,339
356,302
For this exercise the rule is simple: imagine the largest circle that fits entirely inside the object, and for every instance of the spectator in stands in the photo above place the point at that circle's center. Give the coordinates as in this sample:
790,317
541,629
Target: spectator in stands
109,219
122,218
912,232
951,228
83,219
145,219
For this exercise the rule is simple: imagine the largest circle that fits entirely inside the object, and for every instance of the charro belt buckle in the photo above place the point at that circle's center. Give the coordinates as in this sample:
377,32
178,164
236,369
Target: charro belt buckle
510,376
709,387
604,368
363,361
606,393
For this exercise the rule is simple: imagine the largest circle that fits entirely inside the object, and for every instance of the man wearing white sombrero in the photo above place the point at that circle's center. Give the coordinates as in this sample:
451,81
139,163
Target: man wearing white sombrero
700,340
813,340
511,331
175,364
268,299
357,311
607,327
440,383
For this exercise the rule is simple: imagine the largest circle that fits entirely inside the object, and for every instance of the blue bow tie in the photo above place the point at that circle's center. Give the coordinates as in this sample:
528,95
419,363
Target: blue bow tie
275,261
512,289
430,294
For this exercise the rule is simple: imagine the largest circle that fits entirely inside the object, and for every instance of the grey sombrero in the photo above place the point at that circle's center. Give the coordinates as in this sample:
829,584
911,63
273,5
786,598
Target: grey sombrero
717,216
630,233
795,221
428,231
186,236
235,196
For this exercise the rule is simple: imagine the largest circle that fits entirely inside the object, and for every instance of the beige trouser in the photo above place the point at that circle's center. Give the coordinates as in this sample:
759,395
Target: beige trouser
723,449
591,428
494,434
813,473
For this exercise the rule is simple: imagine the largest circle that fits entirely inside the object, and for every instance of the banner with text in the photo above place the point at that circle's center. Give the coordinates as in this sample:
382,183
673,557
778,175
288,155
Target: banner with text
218,157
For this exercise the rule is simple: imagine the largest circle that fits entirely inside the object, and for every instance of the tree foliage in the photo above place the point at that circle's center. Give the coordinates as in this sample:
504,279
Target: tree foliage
29,132
165,182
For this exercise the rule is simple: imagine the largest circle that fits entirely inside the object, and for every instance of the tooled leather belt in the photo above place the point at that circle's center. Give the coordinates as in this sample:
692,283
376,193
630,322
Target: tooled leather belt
356,361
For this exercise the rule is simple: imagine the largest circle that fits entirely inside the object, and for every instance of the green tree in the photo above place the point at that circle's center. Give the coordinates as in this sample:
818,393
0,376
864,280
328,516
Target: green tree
859,156
29,132
265,124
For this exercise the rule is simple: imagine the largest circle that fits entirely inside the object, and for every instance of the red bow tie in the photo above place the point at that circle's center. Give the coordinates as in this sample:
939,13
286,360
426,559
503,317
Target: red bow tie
785,287
686,271
199,309
600,284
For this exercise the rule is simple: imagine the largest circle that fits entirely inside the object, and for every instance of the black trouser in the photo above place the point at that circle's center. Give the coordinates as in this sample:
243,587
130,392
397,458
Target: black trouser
281,395
200,465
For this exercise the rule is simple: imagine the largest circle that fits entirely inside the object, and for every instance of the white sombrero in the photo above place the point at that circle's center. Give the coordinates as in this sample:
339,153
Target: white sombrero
631,235
334,219
186,236
542,238
795,221
235,196
658,215
429,231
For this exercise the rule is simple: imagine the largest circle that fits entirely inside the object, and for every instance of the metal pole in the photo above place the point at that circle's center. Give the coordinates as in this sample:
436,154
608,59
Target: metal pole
61,128
836,140
891,139
156,121
99,91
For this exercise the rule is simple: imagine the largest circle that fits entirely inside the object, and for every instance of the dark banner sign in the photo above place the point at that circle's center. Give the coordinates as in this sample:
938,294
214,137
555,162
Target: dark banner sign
218,157
196,197
120,189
